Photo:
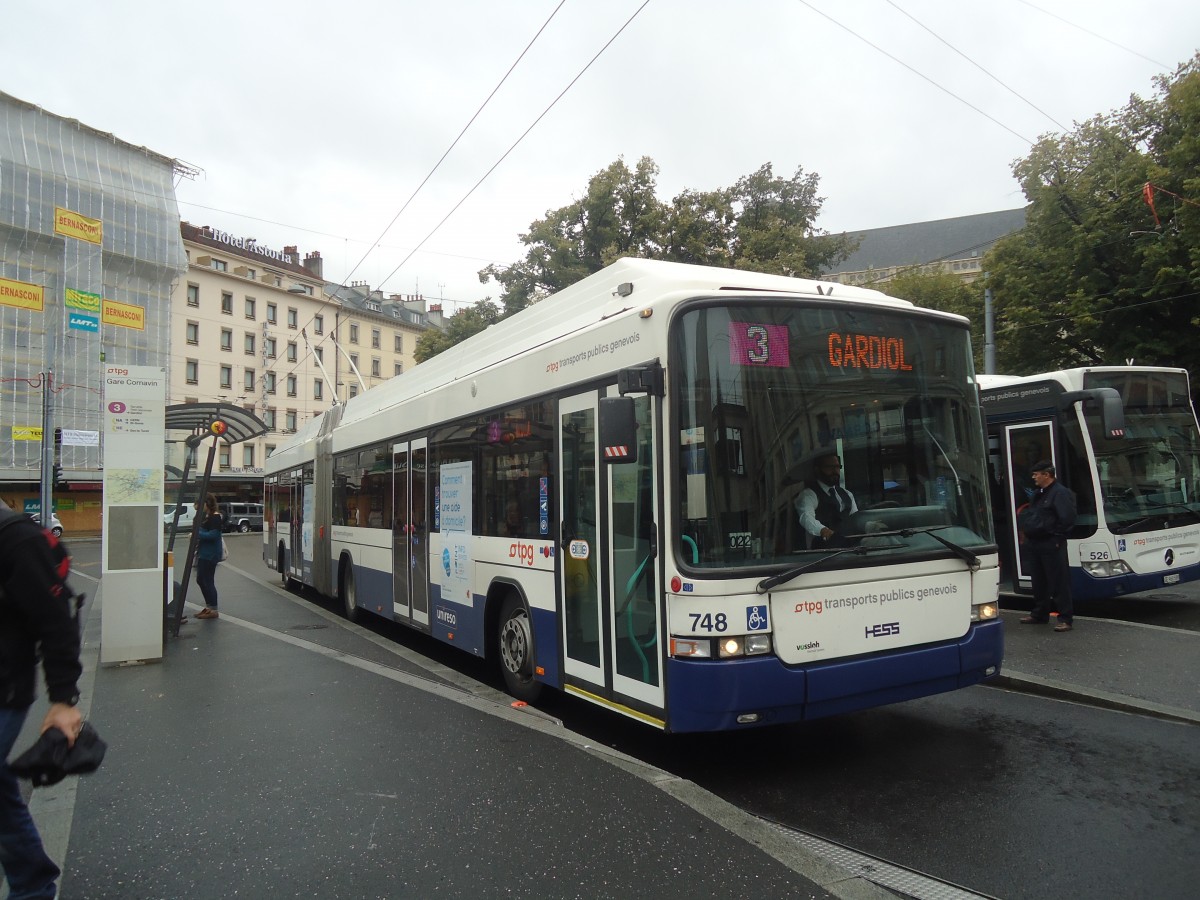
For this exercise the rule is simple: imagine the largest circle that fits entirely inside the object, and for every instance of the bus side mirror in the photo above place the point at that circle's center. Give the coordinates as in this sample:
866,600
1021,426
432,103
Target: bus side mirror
1112,410
618,430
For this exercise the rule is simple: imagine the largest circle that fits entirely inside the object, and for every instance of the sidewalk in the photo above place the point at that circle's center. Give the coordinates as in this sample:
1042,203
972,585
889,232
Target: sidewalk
274,753
1119,665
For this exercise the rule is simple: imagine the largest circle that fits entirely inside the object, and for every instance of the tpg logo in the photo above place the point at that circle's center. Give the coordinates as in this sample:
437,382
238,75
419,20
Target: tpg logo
522,552
882,630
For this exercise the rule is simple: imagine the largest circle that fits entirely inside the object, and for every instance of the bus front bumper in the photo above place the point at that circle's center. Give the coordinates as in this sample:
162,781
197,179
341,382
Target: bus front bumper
708,695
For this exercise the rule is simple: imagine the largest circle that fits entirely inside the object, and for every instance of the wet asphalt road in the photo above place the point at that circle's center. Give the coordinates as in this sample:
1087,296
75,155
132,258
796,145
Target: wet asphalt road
1006,794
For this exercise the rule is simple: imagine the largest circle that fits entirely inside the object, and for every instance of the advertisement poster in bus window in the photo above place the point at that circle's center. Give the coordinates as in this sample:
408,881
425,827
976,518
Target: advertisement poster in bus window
454,512
306,530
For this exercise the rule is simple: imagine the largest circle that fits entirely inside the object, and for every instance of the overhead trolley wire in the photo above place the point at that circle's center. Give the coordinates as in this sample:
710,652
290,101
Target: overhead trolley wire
524,134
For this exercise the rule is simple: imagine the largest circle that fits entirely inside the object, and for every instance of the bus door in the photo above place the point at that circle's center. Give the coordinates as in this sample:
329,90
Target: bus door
296,500
1024,445
610,572
410,555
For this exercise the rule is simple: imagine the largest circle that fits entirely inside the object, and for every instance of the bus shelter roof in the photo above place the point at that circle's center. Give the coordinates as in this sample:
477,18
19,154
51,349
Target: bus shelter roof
239,424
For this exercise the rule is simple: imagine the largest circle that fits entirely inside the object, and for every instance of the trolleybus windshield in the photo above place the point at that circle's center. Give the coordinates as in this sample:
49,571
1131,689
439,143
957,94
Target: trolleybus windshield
765,390
1149,479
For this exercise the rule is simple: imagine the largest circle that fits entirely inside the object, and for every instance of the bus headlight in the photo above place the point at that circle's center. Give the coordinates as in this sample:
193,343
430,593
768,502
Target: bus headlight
982,612
1106,568
757,644
731,646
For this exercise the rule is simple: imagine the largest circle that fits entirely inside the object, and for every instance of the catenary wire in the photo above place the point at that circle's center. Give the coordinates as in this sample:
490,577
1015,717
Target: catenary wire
994,78
515,143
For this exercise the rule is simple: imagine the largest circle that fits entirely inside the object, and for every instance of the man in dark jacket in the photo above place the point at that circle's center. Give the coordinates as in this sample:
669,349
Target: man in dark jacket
37,616
1050,517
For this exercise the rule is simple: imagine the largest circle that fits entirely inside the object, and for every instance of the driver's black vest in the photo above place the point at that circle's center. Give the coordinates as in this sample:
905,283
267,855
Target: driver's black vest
828,513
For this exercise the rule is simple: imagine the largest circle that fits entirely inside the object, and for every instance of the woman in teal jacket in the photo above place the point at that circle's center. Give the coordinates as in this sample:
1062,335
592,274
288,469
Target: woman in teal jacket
208,554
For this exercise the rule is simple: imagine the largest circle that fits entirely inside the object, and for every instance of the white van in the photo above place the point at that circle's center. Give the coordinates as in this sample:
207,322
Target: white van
186,518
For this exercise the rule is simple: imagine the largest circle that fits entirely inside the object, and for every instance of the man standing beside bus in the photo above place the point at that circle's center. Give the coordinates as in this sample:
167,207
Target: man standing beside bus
1045,524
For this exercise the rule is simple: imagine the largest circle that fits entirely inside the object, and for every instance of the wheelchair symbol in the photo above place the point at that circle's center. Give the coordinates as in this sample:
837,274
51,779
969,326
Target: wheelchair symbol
756,618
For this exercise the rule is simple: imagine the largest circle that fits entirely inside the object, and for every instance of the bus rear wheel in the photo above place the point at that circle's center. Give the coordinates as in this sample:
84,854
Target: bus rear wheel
515,650
347,592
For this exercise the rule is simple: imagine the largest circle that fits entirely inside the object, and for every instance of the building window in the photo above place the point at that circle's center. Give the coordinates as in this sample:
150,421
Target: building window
293,318
354,360
193,294
227,303
224,456
375,368
269,420
193,332
220,265
399,343
248,344
248,456
318,324
291,385
227,339
353,333
291,351
320,353
226,377
353,391
289,420
269,346
272,313
318,389
251,274
192,371
248,383
270,376
375,338
250,313
270,447
398,369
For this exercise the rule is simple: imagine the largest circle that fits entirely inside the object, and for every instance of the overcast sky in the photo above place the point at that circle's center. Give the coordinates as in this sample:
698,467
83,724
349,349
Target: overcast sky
313,123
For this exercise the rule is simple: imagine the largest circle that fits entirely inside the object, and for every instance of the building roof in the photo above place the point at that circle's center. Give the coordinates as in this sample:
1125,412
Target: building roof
926,242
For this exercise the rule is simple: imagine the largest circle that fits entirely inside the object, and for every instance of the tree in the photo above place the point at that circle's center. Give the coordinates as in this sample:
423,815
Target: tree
1098,276
618,215
764,223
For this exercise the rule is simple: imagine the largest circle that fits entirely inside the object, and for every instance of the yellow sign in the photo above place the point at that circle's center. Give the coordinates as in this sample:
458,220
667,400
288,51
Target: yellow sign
124,314
27,432
82,300
22,295
72,224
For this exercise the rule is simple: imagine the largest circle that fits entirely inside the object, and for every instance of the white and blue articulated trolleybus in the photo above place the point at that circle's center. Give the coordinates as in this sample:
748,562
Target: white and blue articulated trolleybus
1124,439
601,494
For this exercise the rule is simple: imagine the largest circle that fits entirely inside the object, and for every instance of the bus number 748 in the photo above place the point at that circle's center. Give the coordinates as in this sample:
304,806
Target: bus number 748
709,622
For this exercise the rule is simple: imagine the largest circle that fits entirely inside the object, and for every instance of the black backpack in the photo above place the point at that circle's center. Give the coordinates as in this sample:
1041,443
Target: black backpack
58,552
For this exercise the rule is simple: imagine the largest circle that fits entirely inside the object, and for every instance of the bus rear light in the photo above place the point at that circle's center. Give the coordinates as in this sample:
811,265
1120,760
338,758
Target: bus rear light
691,649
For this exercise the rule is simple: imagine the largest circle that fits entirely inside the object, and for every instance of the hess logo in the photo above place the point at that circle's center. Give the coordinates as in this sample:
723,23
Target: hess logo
521,552
883,629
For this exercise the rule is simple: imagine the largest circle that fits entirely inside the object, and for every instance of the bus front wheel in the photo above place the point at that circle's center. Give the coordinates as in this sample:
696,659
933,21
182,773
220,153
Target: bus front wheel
515,639
348,594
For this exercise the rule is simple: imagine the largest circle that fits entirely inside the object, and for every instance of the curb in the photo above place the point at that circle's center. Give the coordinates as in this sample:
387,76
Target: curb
1059,690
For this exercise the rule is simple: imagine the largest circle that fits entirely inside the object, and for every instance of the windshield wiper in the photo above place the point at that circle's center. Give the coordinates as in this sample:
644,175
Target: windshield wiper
775,580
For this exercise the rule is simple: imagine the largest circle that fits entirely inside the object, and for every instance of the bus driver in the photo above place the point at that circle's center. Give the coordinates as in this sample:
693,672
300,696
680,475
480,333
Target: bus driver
824,506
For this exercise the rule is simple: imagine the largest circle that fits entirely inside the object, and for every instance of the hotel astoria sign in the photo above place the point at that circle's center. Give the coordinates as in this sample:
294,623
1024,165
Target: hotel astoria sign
250,245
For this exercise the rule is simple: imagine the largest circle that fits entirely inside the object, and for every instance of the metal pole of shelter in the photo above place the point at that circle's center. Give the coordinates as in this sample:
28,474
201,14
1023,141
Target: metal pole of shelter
177,618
